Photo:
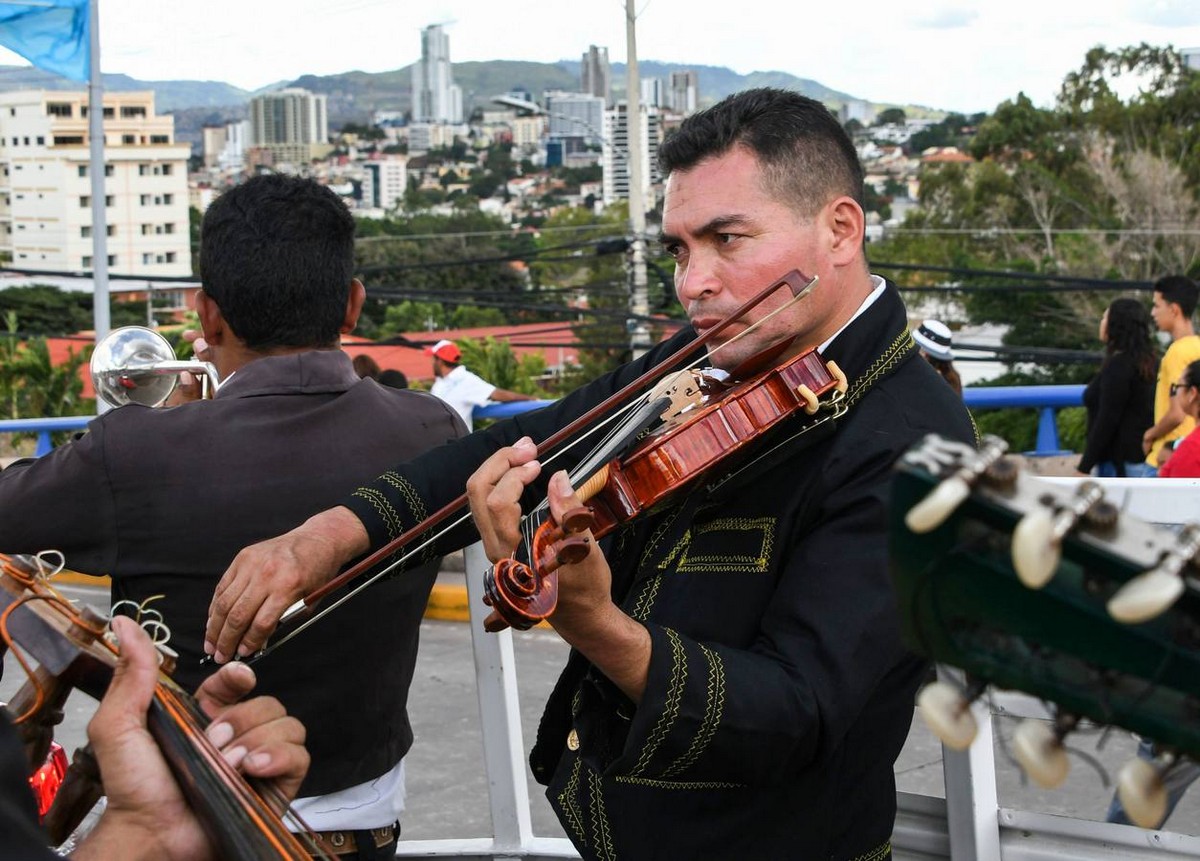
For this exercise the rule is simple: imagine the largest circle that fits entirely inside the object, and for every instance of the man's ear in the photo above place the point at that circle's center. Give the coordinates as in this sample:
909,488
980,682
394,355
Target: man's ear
354,305
847,228
212,322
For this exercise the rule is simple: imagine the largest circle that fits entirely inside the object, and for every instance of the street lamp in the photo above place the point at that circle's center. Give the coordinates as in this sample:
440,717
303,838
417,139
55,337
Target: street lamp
639,340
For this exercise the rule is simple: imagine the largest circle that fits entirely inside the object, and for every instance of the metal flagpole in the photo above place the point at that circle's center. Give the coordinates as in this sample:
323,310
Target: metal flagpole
100,315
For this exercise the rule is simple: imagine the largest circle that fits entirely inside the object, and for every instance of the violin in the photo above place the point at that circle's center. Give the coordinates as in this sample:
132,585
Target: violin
380,562
723,423
72,649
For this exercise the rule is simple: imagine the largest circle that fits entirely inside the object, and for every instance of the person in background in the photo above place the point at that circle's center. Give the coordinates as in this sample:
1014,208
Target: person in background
459,387
1184,461
1120,398
393,378
147,816
365,367
933,337
1175,300
162,499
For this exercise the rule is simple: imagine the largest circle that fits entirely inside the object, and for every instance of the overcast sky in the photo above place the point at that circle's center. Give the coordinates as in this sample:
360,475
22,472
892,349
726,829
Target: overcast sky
965,56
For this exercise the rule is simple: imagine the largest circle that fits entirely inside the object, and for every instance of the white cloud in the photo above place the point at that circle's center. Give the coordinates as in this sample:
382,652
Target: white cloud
1165,13
946,18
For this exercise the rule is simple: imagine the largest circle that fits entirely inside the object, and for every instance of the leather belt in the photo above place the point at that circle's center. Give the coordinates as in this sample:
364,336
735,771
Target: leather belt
346,842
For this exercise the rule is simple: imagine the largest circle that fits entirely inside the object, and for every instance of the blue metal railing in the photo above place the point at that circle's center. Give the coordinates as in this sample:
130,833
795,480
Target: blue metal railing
43,428
1046,399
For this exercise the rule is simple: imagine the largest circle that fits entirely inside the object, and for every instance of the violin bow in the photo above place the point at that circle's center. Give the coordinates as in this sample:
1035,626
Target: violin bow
800,286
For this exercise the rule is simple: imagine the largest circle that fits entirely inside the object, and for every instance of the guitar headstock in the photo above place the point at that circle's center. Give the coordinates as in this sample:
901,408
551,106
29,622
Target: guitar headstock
1049,589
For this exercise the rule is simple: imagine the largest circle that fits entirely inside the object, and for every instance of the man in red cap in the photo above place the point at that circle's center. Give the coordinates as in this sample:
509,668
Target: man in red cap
459,387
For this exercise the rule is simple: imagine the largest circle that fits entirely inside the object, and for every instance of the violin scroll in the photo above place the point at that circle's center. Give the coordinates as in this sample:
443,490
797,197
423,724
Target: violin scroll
522,595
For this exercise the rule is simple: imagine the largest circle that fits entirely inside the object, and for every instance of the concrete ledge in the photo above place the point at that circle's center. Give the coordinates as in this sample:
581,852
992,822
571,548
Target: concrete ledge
448,603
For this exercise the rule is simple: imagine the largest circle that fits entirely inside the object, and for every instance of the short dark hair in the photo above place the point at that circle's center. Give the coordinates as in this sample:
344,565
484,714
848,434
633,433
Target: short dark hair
277,257
806,156
395,379
1180,290
1191,374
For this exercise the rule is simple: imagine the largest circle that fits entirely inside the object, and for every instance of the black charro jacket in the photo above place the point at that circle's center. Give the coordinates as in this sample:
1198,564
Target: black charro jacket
779,693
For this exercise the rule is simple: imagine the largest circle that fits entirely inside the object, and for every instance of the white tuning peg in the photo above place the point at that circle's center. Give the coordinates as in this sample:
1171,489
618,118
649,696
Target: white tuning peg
1041,754
932,511
1142,793
1145,596
1036,551
948,714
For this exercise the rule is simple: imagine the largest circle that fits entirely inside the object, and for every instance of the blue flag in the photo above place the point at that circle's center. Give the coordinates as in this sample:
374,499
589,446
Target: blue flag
54,35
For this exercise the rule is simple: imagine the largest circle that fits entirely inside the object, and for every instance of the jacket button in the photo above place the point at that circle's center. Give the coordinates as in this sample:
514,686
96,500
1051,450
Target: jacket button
572,740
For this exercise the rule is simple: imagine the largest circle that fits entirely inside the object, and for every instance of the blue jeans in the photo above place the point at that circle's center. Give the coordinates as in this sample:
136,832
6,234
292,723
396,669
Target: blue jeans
1177,780
1133,469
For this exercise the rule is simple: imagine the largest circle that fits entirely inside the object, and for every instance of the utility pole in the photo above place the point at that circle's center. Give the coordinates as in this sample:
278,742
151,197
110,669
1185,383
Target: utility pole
639,305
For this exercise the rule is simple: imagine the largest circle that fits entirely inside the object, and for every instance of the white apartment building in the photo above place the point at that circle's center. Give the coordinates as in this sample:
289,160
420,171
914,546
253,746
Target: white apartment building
45,187
527,132
575,115
423,137
595,76
435,96
617,174
289,126
384,182
683,91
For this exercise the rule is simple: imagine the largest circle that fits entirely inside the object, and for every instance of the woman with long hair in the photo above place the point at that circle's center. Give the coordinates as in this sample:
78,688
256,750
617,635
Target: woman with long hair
1120,398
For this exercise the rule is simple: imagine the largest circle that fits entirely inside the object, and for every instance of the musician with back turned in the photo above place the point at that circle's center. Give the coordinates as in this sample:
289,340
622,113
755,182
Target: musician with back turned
162,499
737,686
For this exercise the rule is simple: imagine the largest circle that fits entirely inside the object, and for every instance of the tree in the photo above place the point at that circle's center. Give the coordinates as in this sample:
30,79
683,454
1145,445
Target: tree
891,116
31,386
496,362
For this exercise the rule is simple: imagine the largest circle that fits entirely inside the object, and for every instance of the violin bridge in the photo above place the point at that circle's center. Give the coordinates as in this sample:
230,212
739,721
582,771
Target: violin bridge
682,388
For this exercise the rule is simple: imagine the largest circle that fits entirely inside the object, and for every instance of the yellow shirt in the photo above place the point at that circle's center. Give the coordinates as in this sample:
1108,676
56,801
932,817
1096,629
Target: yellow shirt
1179,355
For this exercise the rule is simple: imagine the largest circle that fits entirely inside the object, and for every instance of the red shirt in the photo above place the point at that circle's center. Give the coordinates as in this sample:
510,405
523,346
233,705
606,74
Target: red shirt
1185,462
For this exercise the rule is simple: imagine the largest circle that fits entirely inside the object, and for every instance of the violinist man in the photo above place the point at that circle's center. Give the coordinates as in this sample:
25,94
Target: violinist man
162,499
146,816
737,686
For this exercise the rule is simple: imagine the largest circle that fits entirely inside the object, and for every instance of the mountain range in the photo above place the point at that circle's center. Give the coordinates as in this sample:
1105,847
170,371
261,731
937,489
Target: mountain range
354,96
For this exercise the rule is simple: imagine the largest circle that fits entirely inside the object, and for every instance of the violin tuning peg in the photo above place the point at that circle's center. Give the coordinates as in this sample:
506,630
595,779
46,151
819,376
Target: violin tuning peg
811,404
838,374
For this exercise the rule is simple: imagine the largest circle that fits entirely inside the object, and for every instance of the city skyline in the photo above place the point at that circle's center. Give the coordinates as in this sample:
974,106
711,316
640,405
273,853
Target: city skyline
950,55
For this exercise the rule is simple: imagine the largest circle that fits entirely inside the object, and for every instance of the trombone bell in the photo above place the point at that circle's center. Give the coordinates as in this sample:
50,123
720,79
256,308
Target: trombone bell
136,365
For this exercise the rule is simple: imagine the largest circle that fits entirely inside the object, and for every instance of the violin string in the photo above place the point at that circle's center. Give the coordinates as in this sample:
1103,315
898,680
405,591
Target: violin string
541,507
808,288
427,542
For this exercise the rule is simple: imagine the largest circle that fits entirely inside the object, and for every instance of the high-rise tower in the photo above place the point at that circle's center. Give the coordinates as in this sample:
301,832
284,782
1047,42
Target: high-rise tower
435,96
595,78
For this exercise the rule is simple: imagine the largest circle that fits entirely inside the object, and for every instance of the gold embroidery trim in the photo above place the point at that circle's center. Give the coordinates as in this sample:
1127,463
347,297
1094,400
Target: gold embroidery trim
675,687
603,843
714,708
732,563
568,799
876,854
